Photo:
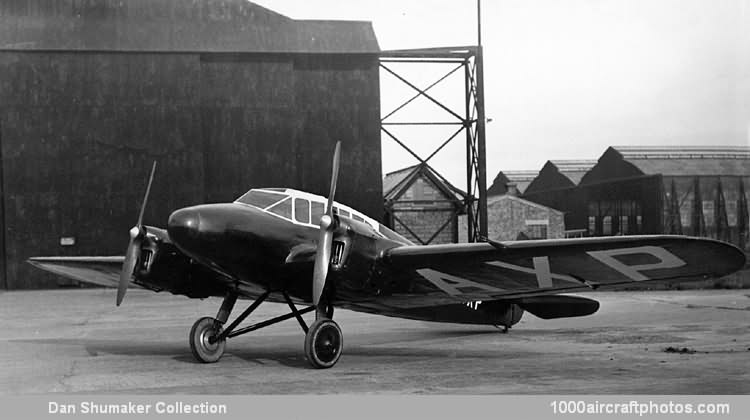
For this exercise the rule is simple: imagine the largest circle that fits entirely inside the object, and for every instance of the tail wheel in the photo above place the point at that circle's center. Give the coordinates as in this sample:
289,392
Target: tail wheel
323,343
202,340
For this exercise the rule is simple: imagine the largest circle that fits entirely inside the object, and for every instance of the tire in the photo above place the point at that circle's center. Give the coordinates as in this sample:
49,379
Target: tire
202,349
323,343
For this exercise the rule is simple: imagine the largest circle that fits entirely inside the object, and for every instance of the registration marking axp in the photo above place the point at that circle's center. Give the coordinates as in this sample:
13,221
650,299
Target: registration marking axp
452,284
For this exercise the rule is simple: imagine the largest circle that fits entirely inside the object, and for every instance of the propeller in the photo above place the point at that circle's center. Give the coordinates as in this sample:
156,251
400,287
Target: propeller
325,241
137,233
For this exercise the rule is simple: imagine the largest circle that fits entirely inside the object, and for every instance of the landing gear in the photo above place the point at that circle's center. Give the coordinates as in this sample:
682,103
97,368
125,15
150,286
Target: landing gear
323,340
204,342
323,343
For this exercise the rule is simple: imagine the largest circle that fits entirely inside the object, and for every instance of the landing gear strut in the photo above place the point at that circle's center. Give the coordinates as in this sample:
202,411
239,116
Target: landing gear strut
323,340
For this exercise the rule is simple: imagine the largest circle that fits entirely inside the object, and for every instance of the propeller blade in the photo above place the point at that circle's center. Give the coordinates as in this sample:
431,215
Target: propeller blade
334,178
322,258
145,198
128,266
133,253
325,240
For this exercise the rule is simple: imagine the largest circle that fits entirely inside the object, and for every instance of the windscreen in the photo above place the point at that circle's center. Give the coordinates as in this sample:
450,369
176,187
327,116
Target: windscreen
261,199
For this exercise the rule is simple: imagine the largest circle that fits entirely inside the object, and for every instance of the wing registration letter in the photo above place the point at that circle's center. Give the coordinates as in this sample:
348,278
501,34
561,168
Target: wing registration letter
453,285
665,260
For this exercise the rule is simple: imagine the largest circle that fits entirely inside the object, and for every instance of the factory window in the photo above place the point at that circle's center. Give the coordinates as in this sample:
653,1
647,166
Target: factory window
592,225
685,212
624,225
316,212
283,209
708,212
302,210
607,225
261,199
732,213
536,231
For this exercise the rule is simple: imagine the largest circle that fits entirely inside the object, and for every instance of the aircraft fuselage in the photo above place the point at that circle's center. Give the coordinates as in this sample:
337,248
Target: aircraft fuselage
254,246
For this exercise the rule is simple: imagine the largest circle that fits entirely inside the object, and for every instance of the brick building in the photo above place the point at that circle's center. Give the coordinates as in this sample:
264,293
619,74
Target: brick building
422,206
512,218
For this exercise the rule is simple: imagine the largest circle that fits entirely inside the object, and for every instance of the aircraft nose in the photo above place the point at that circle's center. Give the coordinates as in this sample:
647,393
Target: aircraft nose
184,224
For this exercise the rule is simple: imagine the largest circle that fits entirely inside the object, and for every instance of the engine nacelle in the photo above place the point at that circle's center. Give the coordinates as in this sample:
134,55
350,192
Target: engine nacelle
502,312
162,266
559,306
506,312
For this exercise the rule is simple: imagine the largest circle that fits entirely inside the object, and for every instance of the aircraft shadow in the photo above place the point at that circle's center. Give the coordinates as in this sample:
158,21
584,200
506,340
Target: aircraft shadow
289,351
125,348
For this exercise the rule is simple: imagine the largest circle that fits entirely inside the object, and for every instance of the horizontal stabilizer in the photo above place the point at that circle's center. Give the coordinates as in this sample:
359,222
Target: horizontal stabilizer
559,306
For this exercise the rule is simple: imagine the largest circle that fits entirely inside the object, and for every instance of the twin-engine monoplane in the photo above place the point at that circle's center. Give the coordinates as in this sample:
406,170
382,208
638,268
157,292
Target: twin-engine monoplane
288,246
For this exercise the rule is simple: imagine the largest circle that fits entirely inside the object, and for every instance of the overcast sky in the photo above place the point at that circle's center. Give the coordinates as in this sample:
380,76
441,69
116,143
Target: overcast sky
564,79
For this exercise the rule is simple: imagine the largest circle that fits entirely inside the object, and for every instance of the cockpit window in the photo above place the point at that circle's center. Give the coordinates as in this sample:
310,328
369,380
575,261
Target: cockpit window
302,210
261,199
283,209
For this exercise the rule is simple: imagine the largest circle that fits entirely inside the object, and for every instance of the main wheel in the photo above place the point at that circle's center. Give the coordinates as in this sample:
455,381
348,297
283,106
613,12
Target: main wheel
200,340
323,343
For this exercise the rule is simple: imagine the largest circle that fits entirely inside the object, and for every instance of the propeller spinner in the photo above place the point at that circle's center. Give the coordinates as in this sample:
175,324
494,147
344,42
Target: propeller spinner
325,241
133,253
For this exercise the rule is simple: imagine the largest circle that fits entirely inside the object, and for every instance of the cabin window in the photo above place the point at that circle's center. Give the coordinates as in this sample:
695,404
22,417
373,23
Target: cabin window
283,209
261,199
302,210
316,213
341,212
357,218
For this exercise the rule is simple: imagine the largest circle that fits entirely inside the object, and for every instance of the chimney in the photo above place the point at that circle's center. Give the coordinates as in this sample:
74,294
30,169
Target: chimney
511,188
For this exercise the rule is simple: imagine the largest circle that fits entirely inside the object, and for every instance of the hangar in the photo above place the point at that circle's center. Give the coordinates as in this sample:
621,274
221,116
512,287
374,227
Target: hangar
699,191
555,187
511,181
224,94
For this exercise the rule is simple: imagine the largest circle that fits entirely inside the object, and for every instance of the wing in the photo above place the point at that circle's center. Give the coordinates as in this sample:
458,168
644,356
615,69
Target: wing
414,276
102,271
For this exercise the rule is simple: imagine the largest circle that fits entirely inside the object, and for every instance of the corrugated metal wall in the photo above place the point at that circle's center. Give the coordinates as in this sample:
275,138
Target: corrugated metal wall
224,94
79,131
